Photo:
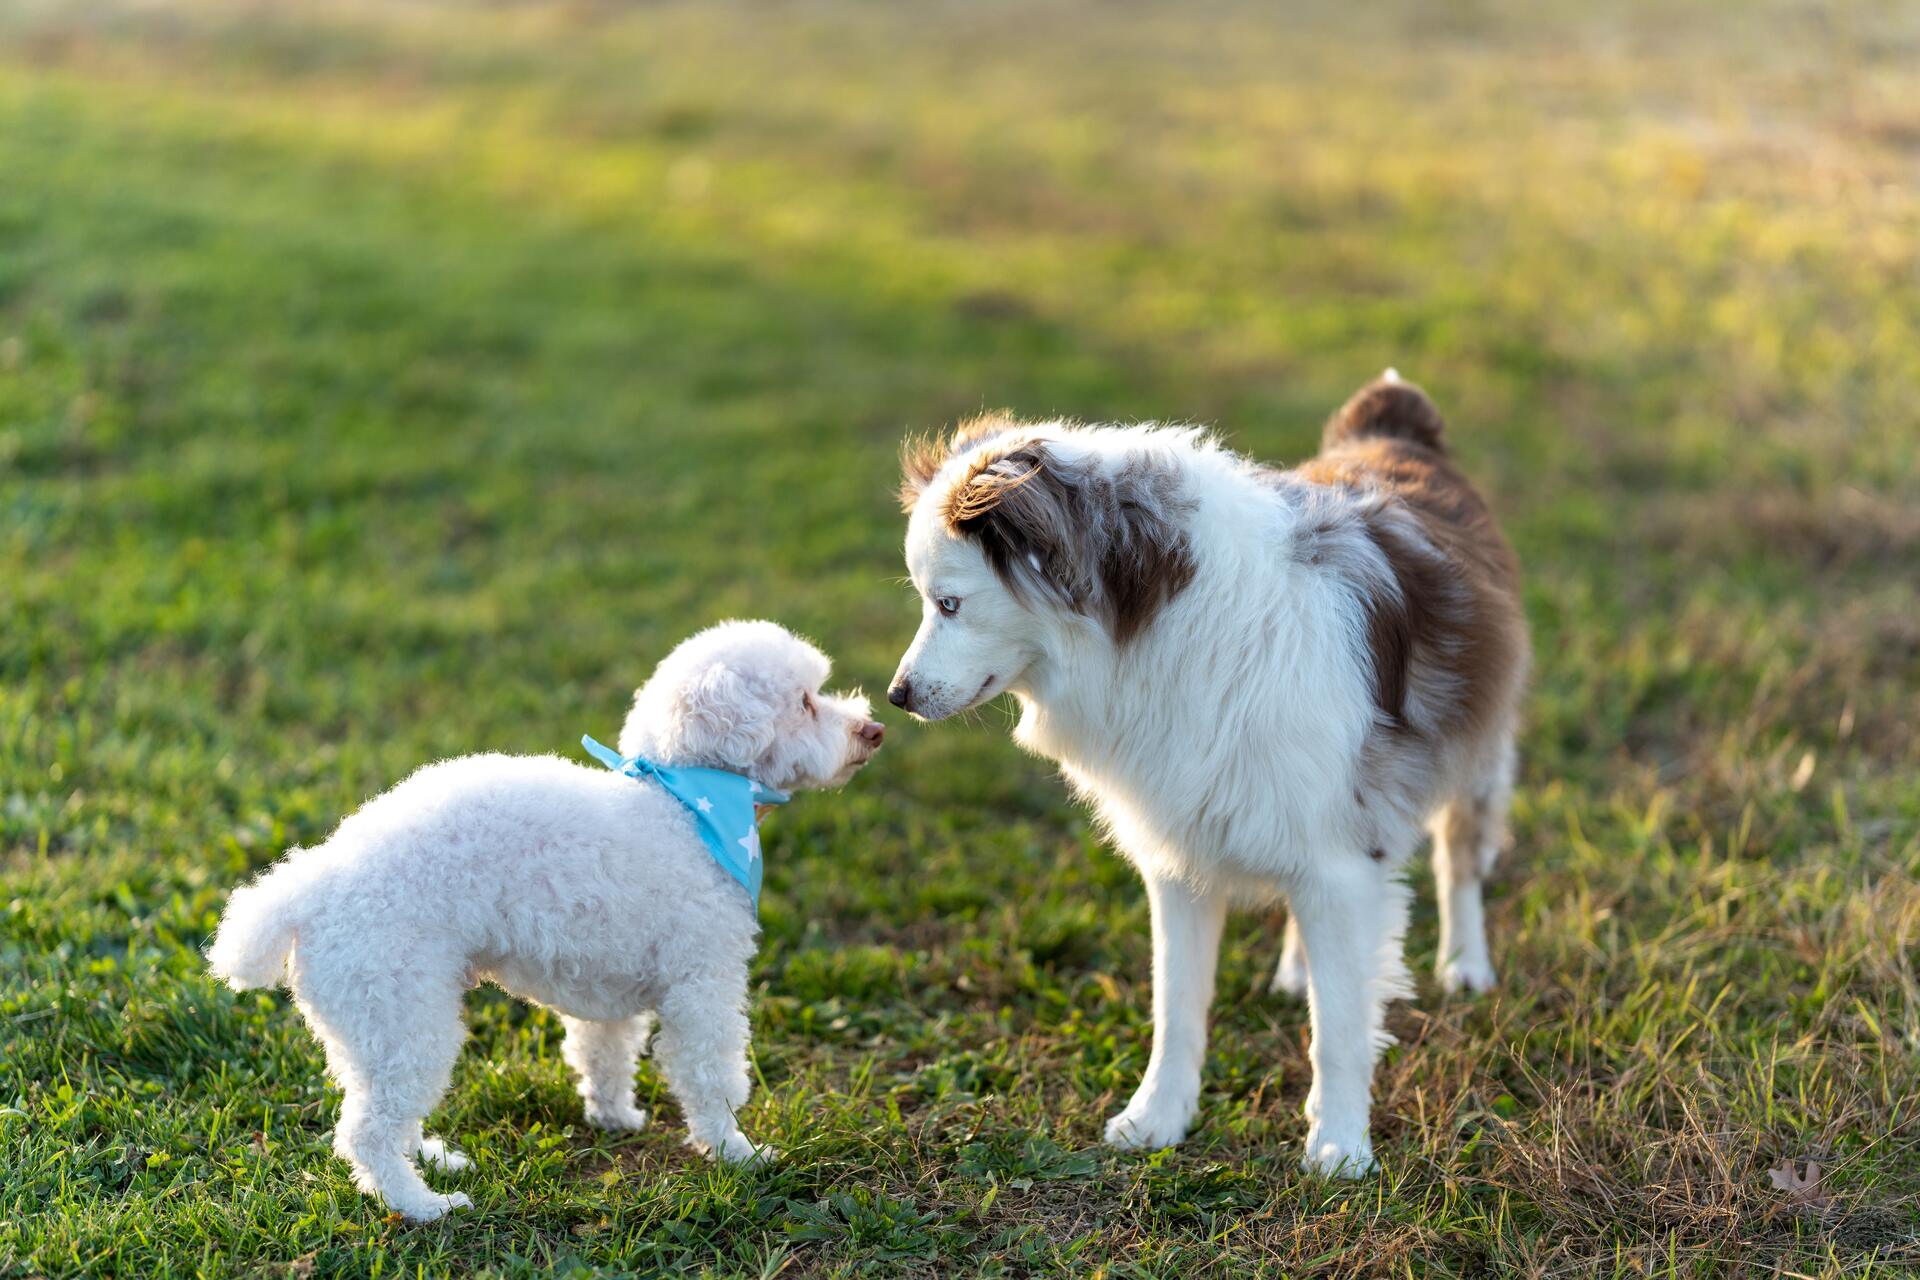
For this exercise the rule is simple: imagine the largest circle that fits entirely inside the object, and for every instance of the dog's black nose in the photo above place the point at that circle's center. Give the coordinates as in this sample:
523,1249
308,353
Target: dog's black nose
900,692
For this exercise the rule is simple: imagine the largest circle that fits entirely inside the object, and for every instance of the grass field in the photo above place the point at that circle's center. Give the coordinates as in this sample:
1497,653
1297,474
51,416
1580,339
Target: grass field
380,382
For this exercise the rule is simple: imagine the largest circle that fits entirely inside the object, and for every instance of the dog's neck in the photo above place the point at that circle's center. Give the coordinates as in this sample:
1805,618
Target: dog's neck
1095,706
635,740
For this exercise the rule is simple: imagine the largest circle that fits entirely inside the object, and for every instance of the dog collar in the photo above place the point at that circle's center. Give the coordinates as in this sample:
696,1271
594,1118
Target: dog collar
725,808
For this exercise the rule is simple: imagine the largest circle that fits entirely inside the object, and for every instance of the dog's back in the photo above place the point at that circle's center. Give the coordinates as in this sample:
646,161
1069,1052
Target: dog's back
533,855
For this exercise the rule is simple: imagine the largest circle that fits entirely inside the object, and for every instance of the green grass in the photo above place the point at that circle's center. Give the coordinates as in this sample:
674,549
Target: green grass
382,382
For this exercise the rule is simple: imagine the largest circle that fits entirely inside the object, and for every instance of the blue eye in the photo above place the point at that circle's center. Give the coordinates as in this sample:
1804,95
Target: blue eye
947,605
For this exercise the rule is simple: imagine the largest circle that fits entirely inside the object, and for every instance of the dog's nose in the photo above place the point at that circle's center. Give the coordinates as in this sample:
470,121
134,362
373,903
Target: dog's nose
871,732
900,693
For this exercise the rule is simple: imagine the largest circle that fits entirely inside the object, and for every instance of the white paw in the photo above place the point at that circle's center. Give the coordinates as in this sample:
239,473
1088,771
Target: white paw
436,1153
619,1117
1148,1126
738,1149
434,1207
1336,1156
1467,973
1290,979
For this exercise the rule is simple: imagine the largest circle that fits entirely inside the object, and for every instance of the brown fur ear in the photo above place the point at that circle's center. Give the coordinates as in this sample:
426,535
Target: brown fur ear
921,457
981,427
1107,546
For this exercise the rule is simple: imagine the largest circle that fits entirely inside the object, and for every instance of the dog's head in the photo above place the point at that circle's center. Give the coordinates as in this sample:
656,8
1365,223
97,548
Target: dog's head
1015,532
746,697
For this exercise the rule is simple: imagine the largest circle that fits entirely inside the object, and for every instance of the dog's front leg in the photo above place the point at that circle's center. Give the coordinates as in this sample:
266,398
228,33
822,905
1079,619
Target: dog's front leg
703,1051
1351,919
1186,945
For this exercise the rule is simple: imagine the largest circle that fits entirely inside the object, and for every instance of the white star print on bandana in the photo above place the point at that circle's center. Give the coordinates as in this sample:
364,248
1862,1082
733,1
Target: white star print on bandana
724,808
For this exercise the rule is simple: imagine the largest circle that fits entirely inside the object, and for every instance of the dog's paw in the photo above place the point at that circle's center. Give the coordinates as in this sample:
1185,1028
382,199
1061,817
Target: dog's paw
1148,1126
436,1153
739,1150
1337,1156
435,1207
1470,974
756,1157
617,1117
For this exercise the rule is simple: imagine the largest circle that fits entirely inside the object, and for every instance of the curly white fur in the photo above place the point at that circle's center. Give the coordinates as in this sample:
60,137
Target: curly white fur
569,885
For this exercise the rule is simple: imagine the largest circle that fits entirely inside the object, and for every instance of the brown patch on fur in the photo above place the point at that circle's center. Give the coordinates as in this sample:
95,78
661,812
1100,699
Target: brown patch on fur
1396,618
1386,409
1447,635
921,457
987,483
981,427
1103,545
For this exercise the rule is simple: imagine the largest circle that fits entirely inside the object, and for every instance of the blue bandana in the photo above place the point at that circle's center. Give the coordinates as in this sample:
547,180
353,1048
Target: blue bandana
721,804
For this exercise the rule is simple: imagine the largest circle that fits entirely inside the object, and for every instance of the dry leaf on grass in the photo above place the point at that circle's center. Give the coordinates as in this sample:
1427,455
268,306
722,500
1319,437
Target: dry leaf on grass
1803,1191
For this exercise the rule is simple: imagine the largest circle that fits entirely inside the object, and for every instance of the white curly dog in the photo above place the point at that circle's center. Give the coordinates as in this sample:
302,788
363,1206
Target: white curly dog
585,890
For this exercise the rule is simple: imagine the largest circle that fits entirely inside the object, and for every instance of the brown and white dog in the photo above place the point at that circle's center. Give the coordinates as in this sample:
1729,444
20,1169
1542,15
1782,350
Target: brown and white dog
1265,682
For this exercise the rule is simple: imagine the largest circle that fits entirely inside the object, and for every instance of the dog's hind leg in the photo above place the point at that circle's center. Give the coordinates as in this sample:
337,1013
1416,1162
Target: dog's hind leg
434,1152
1468,832
603,1054
393,1058
1290,977
702,1050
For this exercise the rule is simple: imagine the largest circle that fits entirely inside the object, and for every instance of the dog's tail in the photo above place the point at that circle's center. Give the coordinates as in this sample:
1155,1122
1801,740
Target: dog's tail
1387,408
257,930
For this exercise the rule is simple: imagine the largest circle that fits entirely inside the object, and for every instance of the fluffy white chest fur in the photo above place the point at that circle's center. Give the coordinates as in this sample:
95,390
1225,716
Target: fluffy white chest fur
1234,765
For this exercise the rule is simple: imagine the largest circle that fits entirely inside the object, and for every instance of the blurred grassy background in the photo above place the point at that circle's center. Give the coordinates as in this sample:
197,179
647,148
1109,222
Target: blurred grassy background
387,381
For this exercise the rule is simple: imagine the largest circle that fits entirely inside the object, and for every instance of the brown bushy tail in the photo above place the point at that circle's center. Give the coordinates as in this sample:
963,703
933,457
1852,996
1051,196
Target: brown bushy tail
1387,408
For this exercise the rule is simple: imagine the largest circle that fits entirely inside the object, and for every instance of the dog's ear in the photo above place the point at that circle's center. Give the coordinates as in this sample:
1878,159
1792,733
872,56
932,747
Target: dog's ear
1106,545
1024,510
921,457
721,717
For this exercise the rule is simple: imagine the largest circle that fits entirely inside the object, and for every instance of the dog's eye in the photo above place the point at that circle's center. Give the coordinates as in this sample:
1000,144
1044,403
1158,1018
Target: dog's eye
947,605
806,701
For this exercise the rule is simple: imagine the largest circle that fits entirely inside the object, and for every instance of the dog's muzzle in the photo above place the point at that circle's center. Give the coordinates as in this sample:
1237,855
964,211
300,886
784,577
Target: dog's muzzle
866,741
